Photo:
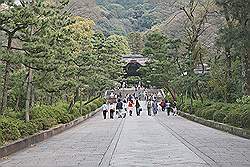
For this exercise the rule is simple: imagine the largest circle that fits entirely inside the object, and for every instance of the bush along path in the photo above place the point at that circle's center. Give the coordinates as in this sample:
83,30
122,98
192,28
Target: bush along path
14,127
234,114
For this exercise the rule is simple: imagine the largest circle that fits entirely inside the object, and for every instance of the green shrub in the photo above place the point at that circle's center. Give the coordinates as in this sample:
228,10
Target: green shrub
185,108
233,118
27,128
38,123
1,137
39,112
9,129
245,116
65,118
44,123
93,106
59,110
84,111
99,102
208,113
244,100
197,105
17,115
49,123
218,106
75,112
219,116
198,113
88,108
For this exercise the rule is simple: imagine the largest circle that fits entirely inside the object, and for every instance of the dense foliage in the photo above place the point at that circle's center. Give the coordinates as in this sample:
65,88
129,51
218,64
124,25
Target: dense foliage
205,57
235,114
124,16
43,117
48,56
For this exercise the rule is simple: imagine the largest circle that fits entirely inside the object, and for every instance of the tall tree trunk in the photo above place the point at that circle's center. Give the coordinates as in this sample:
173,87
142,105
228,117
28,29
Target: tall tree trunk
28,96
247,57
172,92
17,103
228,73
6,79
74,100
246,72
81,103
5,87
51,99
32,96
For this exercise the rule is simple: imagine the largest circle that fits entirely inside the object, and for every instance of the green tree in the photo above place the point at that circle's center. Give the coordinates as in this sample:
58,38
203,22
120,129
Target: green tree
136,43
162,69
236,35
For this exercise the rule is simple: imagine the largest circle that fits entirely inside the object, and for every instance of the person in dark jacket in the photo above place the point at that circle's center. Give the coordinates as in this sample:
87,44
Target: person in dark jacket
163,105
119,107
155,107
137,107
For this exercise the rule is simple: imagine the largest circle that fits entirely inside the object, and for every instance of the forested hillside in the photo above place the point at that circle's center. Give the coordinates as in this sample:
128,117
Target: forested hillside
117,16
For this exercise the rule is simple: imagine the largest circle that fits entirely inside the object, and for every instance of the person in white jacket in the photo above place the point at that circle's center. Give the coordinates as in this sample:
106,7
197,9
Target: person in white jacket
105,109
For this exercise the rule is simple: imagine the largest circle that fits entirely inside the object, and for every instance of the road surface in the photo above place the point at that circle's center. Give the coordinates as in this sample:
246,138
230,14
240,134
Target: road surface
144,141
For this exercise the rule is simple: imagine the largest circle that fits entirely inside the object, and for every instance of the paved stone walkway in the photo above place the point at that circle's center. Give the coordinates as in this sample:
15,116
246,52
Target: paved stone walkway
136,142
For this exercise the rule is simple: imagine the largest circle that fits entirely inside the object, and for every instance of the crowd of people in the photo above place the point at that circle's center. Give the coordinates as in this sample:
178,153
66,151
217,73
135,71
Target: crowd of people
131,104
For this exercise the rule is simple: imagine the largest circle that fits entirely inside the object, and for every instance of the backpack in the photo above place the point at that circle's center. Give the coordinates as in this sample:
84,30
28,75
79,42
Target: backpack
119,105
130,104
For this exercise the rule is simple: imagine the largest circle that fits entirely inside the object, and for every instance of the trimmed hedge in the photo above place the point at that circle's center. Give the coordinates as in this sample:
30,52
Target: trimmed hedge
236,114
13,126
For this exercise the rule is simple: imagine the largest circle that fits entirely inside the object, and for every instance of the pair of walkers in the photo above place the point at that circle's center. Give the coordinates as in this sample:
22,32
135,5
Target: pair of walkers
108,108
166,105
120,108
152,106
136,104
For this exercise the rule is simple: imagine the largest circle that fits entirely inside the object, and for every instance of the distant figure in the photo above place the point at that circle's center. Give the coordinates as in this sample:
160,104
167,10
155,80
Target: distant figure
175,110
168,107
119,107
105,109
137,107
130,97
155,107
112,95
120,95
124,113
111,110
130,107
149,106
163,105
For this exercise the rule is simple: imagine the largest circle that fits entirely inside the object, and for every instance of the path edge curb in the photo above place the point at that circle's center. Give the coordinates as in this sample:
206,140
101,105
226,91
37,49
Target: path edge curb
217,125
28,141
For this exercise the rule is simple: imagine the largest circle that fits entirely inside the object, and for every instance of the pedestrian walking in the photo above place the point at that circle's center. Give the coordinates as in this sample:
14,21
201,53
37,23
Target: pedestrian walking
130,107
111,110
175,110
168,107
163,105
130,97
149,106
105,109
155,107
137,107
119,107
125,108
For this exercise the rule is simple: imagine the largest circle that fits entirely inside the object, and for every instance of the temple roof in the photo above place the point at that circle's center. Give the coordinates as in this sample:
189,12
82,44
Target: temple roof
131,58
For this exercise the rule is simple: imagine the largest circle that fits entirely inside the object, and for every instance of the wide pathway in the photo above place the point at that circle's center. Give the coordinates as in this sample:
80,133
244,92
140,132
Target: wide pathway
136,142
